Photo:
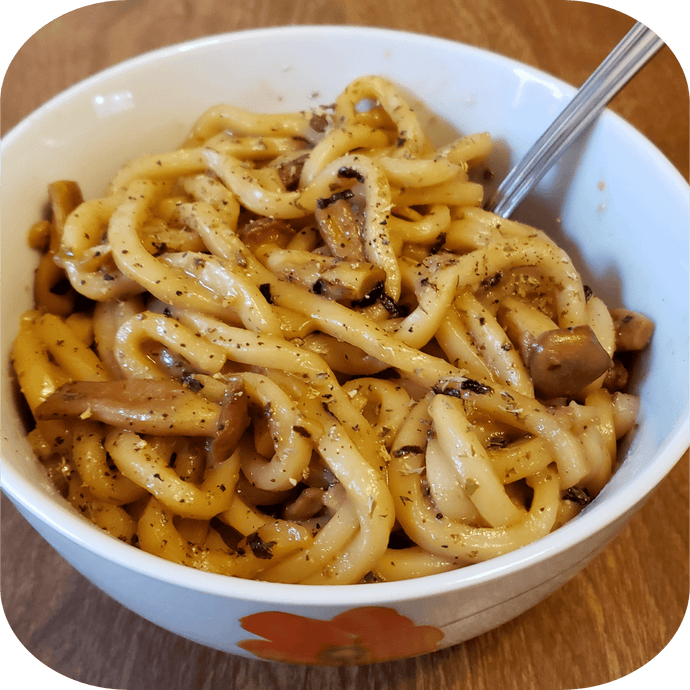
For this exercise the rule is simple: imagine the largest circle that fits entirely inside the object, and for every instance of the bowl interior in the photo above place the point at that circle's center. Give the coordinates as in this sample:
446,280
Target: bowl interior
614,202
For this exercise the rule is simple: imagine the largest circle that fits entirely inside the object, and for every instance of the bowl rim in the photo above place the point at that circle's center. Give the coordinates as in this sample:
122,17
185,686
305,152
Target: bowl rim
592,520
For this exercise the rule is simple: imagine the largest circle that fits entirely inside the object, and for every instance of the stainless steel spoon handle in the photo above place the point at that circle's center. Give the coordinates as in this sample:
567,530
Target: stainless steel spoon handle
622,63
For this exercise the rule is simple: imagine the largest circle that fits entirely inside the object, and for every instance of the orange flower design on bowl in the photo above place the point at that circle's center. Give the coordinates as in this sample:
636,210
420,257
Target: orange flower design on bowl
359,636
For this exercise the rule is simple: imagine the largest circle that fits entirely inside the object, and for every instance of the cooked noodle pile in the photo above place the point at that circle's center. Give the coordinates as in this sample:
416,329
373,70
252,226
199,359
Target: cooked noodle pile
296,349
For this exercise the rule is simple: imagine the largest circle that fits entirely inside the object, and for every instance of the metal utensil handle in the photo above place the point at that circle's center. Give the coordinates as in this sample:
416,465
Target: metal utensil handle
623,62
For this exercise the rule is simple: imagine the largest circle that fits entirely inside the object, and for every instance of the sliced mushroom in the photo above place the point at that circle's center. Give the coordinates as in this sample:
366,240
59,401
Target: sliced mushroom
319,474
232,422
290,169
263,231
306,505
565,360
633,330
340,231
146,406
349,280
253,495
616,377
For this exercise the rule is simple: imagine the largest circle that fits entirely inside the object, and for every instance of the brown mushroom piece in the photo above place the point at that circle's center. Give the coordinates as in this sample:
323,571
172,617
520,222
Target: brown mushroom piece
633,330
262,497
616,377
306,505
146,406
289,171
266,231
340,231
232,423
565,360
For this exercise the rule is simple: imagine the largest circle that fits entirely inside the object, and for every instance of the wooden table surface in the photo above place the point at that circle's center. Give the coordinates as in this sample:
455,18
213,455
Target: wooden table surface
605,623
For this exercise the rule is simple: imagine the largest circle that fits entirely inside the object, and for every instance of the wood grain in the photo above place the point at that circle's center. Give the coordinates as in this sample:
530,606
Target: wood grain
605,623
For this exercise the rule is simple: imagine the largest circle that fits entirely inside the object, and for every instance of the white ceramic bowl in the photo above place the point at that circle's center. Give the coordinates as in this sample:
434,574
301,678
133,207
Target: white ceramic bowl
614,202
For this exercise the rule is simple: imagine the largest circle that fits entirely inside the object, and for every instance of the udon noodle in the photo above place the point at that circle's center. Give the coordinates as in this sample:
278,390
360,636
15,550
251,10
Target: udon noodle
297,349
